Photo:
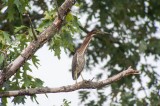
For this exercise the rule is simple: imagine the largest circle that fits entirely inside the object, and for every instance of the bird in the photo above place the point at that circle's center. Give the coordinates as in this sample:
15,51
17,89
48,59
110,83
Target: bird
78,61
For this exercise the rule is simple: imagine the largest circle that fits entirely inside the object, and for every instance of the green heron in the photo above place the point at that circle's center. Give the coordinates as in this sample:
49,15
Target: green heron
78,61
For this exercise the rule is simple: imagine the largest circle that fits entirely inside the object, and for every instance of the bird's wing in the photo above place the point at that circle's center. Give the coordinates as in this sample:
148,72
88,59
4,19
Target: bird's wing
81,63
74,65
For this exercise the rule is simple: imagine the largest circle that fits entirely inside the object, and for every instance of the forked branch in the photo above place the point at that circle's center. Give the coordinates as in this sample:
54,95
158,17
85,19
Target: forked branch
41,39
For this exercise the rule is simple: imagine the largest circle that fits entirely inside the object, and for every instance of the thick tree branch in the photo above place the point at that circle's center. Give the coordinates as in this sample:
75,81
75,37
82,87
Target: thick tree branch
46,35
69,88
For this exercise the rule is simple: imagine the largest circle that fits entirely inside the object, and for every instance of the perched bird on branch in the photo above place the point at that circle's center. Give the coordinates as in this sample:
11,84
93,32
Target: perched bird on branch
78,61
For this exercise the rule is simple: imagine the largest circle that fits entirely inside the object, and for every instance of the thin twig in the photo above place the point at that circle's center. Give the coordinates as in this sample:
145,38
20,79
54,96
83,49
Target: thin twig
84,29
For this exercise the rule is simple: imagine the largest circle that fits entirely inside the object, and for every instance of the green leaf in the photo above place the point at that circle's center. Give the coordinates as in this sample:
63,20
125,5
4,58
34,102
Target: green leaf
55,45
30,32
57,51
1,59
27,82
17,29
83,95
3,102
142,46
39,82
78,4
33,98
66,102
47,15
11,10
2,40
69,17
6,36
26,67
35,61
19,99
50,15
18,3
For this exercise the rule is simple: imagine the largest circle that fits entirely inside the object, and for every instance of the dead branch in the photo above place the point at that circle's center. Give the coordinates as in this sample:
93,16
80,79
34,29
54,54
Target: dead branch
86,84
46,35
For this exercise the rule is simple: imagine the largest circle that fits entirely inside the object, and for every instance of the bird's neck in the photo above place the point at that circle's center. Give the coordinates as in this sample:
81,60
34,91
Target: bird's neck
85,43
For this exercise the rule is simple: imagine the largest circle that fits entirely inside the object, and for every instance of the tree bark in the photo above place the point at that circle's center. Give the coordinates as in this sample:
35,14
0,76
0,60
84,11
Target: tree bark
69,88
46,35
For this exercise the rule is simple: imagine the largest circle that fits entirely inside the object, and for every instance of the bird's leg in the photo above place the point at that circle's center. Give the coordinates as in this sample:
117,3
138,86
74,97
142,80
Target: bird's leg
92,79
76,77
82,77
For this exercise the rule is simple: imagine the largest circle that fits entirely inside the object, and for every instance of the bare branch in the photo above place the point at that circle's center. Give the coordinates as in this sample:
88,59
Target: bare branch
83,29
69,88
46,35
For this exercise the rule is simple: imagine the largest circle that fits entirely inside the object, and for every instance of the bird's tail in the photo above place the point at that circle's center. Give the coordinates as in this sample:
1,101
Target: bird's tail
75,75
